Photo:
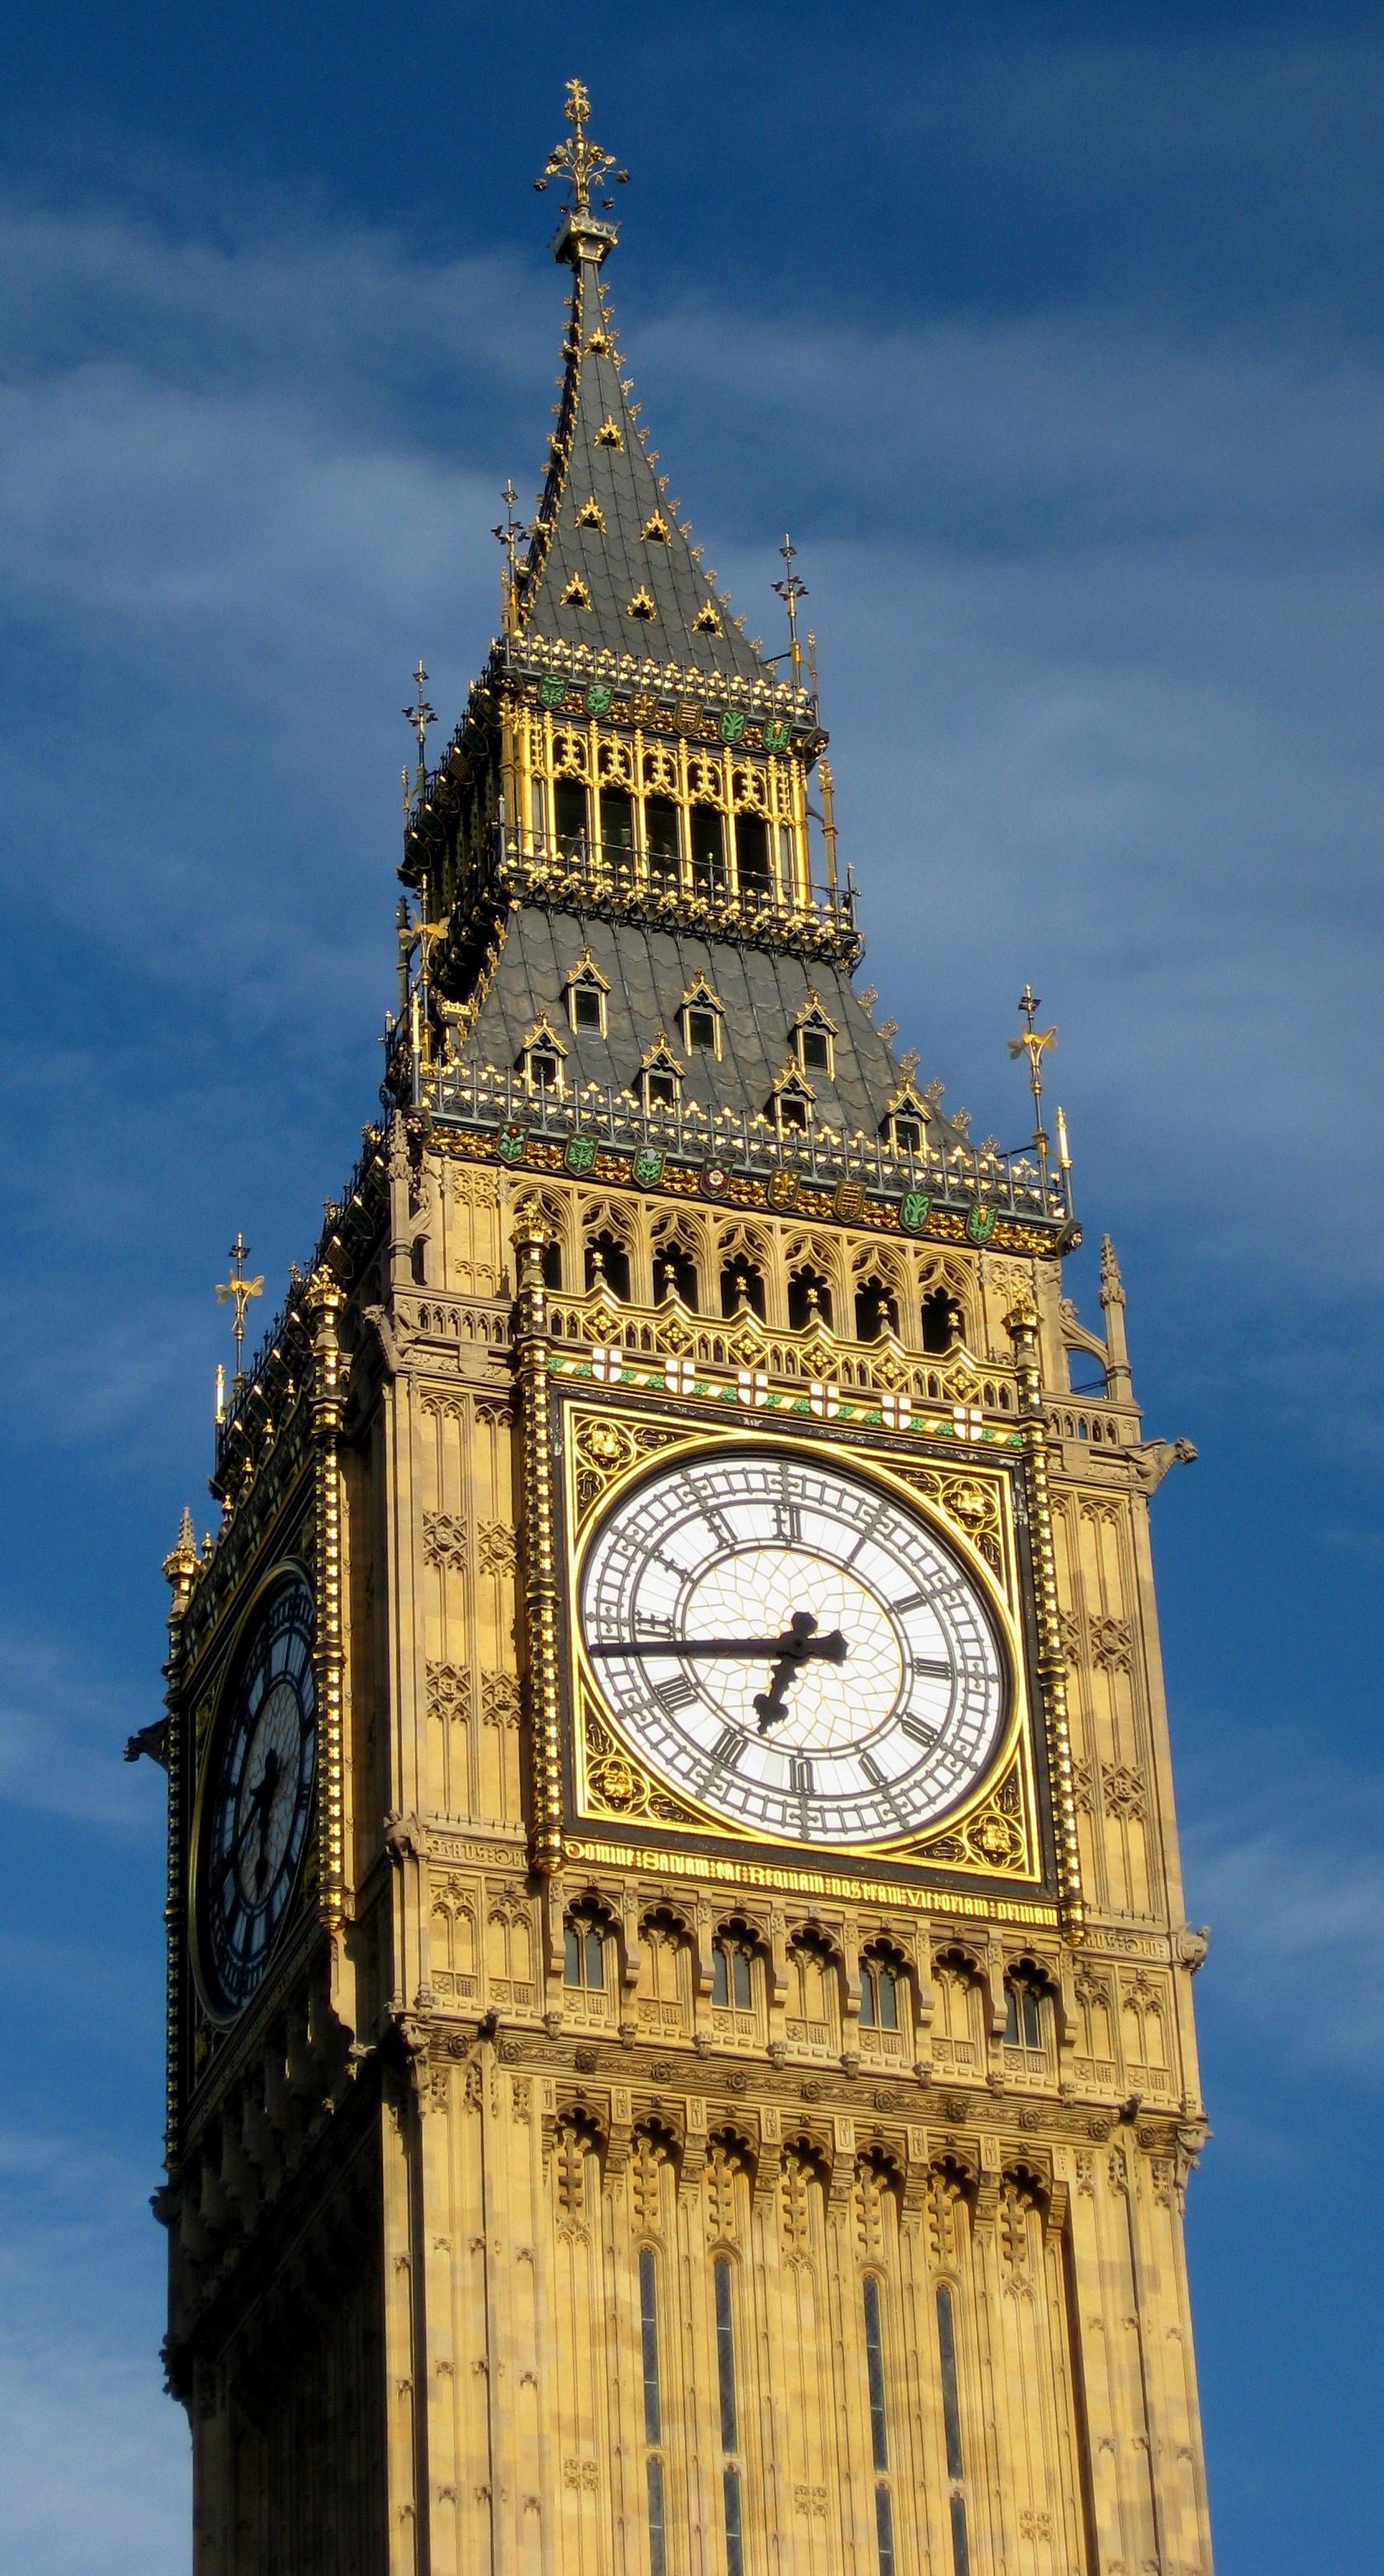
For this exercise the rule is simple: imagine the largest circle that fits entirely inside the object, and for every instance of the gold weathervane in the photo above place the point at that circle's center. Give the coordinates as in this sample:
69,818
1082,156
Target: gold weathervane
582,164
790,592
1032,1045
512,534
242,1290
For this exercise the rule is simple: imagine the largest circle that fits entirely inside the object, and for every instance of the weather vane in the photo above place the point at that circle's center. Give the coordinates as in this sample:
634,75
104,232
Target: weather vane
790,592
1032,1045
241,1289
582,164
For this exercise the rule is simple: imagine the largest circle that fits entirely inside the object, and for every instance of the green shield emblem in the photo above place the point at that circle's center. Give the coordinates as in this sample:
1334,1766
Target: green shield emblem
776,734
550,691
980,1224
648,1167
732,725
916,1209
510,1143
597,701
580,1154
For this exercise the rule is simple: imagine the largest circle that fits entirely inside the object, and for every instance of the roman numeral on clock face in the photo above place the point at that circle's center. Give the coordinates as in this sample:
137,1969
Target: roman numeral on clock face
676,1693
924,1735
729,1746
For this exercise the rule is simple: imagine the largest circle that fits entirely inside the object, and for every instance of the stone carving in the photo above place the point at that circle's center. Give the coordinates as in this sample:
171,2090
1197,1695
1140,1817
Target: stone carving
497,1547
449,1692
1122,1790
445,1538
499,1699
1112,1644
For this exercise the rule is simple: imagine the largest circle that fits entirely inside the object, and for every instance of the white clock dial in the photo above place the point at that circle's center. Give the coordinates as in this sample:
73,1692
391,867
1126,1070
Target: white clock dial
871,1719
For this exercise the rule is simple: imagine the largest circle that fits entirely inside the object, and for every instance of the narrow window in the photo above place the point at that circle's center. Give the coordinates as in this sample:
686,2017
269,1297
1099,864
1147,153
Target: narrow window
720,1982
888,1999
658,2558
583,1957
725,2357
752,856
586,1006
742,1285
874,2366
867,1996
884,2530
730,2440
701,1031
815,1052
676,1273
661,834
662,1090
570,815
708,849
617,823
648,2336
595,1959
571,1956
1033,2028
552,1264
809,1300
740,1980
735,2555
951,2417
543,1070
1011,2017
420,1263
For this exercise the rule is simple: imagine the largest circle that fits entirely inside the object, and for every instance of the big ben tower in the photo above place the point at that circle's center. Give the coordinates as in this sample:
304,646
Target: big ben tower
680,2048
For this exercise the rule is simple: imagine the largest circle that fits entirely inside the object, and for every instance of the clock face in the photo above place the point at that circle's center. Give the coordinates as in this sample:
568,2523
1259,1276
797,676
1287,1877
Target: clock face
259,1796
793,1647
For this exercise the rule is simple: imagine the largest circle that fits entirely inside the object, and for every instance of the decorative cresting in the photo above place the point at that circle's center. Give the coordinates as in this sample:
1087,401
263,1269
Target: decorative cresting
325,1300
539,1562
180,1571
1021,1324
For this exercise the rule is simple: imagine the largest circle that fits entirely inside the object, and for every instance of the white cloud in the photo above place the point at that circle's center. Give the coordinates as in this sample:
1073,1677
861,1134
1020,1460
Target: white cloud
1298,1928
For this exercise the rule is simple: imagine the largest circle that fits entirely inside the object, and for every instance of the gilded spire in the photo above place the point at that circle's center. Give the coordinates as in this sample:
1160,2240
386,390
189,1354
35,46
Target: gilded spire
611,565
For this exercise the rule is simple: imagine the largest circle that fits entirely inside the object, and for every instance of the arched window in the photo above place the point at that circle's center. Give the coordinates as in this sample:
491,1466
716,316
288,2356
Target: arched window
583,1962
809,1300
742,1284
1027,2022
876,1310
675,1274
662,838
552,1263
958,2029
420,1262
885,2017
608,1260
941,1320
737,1987
589,1977
708,851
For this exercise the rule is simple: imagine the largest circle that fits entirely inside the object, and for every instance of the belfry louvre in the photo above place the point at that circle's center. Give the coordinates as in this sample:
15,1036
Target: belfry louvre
680,2045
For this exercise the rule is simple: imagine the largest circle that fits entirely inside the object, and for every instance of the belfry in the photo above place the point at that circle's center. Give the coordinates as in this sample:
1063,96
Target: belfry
680,2045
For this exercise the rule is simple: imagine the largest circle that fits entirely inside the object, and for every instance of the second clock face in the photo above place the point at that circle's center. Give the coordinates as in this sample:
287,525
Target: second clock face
793,1646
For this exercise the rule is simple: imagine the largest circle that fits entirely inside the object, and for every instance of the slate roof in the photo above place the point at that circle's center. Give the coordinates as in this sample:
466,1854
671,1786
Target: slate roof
649,972
616,561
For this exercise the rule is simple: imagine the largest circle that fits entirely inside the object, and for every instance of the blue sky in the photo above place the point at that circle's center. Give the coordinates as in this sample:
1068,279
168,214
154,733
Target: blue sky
1054,336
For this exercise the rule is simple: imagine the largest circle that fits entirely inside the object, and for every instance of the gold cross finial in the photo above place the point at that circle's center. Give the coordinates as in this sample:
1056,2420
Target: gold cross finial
1032,1045
581,163
242,1290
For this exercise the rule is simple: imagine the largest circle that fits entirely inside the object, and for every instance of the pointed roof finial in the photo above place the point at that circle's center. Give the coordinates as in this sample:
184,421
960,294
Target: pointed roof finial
1032,1045
790,592
241,1289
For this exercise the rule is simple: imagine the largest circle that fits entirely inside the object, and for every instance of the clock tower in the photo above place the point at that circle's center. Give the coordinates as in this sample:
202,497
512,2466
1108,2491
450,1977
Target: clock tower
680,2049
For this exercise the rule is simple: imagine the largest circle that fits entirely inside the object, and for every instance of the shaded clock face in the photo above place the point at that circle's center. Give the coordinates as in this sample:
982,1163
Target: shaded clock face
259,1797
792,1646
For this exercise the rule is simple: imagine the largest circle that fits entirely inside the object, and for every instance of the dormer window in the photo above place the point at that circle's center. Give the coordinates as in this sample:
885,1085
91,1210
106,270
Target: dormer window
541,1058
814,1036
660,1076
702,1015
905,1121
586,990
792,1099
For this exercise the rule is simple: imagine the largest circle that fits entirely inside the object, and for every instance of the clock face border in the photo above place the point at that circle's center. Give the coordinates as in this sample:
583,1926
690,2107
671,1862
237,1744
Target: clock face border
1020,1751
218,2013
